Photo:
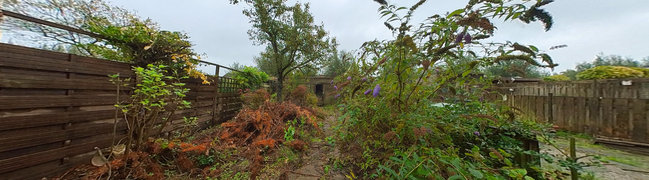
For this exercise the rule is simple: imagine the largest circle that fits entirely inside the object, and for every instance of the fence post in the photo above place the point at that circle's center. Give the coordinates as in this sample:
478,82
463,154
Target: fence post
597,92
68,126
216,97
550,109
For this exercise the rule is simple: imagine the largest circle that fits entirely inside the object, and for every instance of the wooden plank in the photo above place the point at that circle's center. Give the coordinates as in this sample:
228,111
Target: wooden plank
43,82
22,102
569,113
34,172
621,120
34,120
606,127
29,150
540,113
51,169
580,113
14,60
28,139
561,109
33,52
639,123
588,119
85,145
30,92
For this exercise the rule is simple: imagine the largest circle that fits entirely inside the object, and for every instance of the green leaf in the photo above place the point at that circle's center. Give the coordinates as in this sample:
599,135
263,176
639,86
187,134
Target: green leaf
476,173
456,12
391,171
456,177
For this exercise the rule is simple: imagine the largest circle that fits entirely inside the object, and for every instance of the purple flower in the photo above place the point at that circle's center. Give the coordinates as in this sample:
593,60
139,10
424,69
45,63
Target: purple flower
377,88
467,39
476,133
364,79
332,82
459,37
368,91
337,95
336,87
349,78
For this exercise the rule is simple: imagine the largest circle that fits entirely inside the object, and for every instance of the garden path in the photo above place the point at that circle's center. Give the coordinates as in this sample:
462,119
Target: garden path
318,156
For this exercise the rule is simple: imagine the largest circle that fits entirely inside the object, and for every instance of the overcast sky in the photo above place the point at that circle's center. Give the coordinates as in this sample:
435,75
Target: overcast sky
588,27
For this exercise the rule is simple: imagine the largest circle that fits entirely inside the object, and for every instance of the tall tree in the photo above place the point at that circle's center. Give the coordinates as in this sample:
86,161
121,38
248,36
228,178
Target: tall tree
515,68
338,64
292,40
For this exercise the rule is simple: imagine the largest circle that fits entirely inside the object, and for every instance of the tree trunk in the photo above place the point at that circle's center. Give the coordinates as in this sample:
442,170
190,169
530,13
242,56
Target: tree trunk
280,88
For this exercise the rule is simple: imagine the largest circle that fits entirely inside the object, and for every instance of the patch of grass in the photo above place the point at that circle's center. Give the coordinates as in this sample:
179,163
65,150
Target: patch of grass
624,160
287,155
585,143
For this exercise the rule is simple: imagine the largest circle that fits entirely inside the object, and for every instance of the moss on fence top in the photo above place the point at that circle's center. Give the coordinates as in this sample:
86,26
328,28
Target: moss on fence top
558,77
612,72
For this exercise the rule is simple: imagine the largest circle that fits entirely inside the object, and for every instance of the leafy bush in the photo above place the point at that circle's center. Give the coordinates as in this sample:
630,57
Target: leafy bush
609,72
393,124
249,77
645,71
558,77
142,43
154,99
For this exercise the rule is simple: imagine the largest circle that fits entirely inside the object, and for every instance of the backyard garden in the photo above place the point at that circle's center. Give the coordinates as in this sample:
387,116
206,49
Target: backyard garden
412,107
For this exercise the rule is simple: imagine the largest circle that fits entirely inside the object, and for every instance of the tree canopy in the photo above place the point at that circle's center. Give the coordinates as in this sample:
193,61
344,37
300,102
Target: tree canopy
293,41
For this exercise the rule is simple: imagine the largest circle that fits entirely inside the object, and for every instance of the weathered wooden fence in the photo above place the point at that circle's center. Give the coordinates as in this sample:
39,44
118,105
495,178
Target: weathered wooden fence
55,108
614,109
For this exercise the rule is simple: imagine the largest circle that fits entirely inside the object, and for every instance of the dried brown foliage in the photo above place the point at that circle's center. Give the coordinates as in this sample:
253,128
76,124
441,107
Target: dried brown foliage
141,166
255,99
298,95
252,126
298,145
263,128
255,132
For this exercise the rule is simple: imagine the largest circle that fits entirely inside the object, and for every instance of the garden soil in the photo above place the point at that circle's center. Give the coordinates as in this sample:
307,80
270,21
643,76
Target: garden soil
317,157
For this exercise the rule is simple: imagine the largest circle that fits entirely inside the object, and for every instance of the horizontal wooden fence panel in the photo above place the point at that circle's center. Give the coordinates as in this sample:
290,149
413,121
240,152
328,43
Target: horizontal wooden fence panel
605,108
56,107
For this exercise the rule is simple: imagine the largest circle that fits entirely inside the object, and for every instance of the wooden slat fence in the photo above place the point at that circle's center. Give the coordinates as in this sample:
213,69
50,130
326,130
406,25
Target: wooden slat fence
56,107
615,109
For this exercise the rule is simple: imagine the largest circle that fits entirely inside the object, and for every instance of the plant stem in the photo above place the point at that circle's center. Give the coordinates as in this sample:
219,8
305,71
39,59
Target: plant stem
574,174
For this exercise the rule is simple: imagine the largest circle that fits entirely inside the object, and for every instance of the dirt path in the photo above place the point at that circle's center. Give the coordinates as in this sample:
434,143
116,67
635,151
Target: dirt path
318,156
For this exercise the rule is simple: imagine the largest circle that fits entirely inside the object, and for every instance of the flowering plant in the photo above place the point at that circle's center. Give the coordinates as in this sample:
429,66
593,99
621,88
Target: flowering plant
425,96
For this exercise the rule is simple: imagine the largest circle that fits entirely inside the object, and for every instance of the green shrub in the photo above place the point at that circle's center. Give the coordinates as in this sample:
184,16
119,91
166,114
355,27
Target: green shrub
645,71
558,77
311,99
609,72
249,77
